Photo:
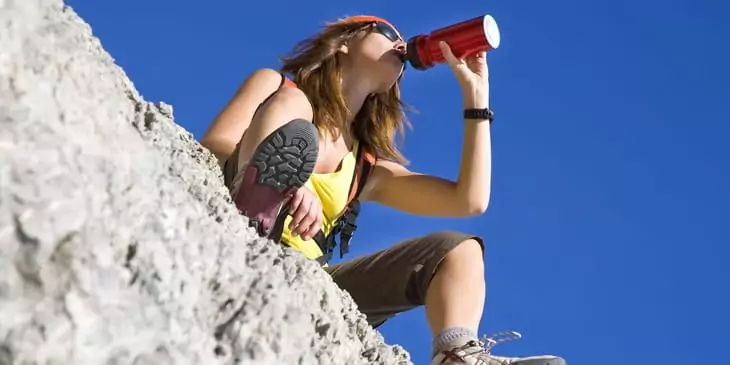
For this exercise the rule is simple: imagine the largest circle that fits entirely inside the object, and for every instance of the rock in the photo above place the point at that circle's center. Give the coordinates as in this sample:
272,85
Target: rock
119,243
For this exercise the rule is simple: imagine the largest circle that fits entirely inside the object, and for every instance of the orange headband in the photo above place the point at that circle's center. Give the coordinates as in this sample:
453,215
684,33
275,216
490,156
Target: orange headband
361,19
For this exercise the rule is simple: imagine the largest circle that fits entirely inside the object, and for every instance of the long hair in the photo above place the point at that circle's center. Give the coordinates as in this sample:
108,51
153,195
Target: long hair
318,73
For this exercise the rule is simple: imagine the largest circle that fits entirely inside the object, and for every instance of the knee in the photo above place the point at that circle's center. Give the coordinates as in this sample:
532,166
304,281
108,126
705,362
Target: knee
285,106
468,253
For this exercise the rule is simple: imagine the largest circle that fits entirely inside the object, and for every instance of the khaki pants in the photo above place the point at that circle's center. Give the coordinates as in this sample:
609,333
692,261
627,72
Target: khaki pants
392,280
395,279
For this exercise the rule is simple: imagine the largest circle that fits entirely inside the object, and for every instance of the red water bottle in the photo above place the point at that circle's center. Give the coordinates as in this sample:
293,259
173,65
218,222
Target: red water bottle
465,38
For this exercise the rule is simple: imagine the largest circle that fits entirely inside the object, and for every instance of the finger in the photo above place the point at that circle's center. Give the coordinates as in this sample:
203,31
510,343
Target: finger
309,229
449,55
314,228
476,58
478,63
298,215
477,67
296,200
307,221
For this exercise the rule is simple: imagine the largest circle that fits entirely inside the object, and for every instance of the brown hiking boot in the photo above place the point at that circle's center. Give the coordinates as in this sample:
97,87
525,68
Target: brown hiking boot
281,164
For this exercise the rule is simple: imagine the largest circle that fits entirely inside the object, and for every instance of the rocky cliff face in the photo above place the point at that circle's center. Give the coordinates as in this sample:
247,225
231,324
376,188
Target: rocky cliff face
118,241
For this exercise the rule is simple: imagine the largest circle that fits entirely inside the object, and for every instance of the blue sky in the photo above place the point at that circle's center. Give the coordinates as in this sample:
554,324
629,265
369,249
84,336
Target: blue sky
605,235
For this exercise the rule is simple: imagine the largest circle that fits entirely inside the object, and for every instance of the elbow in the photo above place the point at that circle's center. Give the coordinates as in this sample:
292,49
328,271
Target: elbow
477,206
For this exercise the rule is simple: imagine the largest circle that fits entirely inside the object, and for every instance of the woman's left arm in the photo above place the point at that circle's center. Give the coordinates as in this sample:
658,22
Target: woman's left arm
395,186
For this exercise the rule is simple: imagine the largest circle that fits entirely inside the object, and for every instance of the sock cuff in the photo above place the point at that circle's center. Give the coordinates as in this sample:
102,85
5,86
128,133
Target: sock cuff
449,335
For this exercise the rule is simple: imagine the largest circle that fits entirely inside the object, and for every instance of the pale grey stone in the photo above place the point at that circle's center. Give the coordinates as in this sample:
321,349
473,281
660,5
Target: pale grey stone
119,243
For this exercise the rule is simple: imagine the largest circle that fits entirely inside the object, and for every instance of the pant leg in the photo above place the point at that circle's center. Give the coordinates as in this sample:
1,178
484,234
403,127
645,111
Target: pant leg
396,279
230,167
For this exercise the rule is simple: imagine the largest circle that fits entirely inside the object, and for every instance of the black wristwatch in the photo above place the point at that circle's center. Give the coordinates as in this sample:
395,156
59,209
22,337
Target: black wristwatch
481,114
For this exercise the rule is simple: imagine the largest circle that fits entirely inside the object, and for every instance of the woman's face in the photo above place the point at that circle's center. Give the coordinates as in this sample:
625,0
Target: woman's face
378,50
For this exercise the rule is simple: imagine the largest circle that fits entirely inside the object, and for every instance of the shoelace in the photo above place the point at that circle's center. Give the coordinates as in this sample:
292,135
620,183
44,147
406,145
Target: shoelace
488,342
484,345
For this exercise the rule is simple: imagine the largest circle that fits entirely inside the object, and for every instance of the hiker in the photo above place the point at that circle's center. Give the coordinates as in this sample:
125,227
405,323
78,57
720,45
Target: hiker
298,155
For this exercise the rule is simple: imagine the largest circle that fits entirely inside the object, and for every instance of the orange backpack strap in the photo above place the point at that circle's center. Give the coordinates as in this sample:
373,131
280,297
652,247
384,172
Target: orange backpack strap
287,81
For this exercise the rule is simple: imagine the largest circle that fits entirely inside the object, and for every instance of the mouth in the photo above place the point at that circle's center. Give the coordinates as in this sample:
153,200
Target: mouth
398,54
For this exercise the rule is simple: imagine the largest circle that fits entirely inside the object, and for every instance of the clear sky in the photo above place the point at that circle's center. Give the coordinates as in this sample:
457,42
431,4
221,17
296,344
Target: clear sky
607,234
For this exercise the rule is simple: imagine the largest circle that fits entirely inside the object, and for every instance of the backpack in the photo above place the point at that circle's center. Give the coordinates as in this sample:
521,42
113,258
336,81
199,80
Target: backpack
344,225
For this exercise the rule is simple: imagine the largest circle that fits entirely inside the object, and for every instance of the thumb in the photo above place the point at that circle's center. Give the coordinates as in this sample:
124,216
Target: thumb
449,56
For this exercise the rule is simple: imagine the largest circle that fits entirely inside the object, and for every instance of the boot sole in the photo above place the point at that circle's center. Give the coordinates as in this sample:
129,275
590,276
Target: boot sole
281,164
554,361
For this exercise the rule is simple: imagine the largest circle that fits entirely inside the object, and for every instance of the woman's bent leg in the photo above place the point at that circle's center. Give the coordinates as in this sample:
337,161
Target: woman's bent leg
461,271
444,271
454,304
397,278
282,162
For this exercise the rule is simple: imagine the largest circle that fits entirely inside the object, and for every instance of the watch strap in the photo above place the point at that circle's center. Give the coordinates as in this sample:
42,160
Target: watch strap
480,114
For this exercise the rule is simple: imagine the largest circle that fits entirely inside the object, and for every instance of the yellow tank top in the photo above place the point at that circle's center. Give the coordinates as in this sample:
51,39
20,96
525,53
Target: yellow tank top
332,189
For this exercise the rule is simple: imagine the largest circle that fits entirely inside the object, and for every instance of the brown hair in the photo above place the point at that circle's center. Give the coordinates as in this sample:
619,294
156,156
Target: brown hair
317,72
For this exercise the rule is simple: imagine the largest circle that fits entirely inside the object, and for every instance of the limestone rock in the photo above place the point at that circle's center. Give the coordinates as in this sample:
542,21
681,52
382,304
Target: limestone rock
119,243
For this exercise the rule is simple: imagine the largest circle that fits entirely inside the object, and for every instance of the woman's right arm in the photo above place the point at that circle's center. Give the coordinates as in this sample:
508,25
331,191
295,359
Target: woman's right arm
230,124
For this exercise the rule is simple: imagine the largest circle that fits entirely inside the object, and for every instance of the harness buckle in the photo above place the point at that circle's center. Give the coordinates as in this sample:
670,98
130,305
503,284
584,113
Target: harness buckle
347,231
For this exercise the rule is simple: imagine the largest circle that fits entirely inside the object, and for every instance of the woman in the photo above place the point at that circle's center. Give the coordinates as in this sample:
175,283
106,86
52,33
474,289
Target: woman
291,174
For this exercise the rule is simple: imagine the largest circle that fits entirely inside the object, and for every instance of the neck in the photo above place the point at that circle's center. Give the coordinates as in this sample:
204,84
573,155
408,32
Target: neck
355,91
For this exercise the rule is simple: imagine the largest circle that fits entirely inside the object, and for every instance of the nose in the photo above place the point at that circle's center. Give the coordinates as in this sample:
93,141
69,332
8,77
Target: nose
400,46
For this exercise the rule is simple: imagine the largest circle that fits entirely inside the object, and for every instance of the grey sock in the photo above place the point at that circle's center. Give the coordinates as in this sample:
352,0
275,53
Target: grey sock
444,340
